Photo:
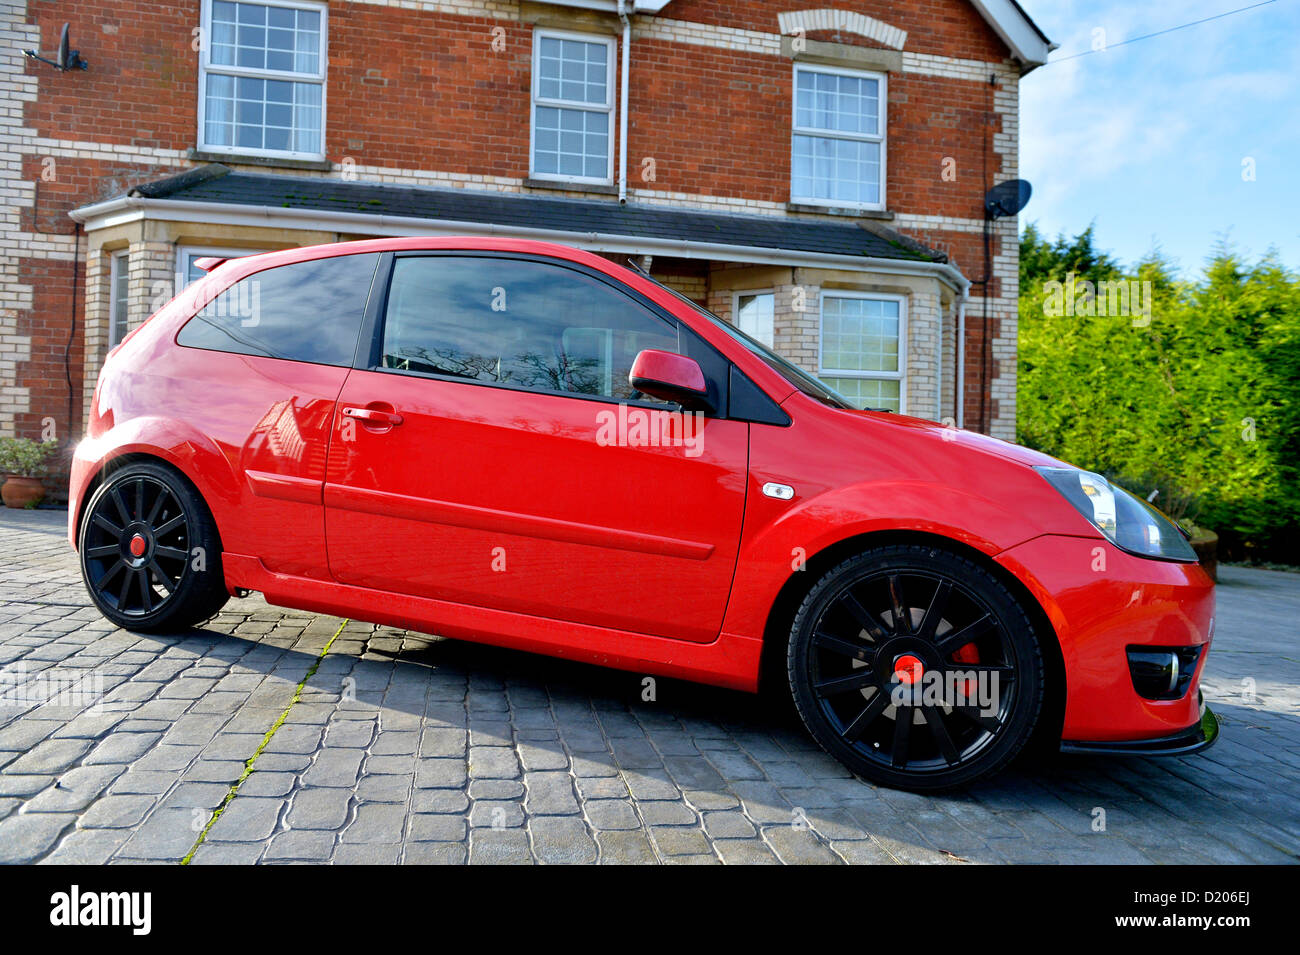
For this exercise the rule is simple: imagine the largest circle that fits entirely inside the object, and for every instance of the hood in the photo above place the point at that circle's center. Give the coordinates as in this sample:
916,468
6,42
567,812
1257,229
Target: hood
971,440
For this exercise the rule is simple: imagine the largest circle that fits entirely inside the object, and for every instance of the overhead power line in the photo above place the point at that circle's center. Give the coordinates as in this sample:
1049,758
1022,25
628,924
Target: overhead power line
1148,36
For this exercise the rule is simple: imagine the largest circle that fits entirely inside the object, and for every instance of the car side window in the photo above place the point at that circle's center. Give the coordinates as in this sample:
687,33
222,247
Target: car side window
308,311
517,322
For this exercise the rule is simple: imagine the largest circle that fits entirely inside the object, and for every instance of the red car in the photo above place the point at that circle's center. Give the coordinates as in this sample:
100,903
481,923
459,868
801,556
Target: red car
528,445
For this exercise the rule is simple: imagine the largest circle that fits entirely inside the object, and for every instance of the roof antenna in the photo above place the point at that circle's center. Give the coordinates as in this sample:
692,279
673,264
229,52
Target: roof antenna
65,59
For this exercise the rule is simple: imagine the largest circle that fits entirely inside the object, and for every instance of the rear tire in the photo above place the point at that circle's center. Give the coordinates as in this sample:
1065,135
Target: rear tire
149,551
916,668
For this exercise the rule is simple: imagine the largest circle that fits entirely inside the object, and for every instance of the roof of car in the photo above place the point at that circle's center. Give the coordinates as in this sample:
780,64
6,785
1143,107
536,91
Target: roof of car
217,184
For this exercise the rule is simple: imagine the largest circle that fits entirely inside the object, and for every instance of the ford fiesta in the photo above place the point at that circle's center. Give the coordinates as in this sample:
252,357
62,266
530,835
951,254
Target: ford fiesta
528,445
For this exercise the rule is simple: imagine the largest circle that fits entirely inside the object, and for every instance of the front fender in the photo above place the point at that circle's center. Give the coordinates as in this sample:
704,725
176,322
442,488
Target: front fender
780,538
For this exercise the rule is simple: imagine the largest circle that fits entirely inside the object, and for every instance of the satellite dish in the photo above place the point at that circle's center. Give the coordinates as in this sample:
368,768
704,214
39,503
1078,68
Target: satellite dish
65,59
1007,198
62,59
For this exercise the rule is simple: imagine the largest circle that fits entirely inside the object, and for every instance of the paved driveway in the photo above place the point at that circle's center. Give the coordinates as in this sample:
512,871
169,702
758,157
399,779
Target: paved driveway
368,744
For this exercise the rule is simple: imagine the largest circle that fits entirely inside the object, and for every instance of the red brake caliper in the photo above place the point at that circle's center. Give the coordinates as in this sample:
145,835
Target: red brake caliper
967,654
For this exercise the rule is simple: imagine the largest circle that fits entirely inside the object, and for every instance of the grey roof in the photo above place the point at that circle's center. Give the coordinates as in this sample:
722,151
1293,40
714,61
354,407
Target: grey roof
217,184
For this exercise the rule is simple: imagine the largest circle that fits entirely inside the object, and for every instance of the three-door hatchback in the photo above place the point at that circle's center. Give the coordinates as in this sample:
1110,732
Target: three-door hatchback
528,445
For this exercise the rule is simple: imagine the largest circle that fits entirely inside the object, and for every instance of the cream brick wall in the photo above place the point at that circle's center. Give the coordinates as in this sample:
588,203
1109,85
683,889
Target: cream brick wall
929,375
797,324
15,297
825,18
923,358
948,364
99,296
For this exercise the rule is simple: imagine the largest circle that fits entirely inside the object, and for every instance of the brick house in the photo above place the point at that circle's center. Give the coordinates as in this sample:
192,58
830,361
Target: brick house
814,174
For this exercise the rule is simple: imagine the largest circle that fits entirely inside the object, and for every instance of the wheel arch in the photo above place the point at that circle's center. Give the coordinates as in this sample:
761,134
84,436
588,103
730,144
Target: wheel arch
126,458
780,617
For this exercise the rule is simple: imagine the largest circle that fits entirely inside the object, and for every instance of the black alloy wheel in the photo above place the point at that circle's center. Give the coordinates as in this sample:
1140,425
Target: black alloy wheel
150,555
916,668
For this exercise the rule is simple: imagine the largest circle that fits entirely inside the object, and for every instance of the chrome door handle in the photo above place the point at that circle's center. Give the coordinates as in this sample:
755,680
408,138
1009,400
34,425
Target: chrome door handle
374,415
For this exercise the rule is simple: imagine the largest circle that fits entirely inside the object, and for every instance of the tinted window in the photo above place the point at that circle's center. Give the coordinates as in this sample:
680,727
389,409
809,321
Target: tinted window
521,323
309,311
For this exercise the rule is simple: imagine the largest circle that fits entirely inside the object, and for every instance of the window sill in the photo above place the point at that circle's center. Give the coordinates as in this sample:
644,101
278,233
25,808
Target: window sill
555,185
316,165
883,214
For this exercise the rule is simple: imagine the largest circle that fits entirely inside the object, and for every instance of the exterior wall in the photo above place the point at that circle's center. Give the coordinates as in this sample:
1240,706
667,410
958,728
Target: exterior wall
447,104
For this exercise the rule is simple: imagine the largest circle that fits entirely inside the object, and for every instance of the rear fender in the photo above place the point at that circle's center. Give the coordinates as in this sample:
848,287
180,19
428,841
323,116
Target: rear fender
184,448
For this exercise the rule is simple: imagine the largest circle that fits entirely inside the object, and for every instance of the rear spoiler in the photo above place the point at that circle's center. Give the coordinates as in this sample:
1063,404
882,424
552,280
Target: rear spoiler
209,262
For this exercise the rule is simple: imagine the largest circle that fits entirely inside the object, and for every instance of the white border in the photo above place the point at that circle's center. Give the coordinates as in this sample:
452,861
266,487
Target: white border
882,138
901,375
735,309
206,66
116,262
536,100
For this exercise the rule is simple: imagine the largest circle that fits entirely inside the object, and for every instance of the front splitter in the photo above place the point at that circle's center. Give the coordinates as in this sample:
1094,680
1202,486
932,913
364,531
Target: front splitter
1199,736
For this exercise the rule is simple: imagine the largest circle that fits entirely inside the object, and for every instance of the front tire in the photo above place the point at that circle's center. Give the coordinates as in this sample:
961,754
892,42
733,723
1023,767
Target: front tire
149,550
916,668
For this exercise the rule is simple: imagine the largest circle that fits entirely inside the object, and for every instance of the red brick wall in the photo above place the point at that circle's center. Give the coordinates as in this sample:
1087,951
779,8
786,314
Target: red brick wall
141,87
717,122
426,91
932,120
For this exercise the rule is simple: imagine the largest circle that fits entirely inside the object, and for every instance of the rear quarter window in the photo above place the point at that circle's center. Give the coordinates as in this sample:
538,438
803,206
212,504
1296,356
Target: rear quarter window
308,311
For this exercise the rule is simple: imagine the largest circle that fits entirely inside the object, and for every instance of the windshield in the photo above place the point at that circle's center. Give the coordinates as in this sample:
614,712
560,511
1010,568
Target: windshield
792,373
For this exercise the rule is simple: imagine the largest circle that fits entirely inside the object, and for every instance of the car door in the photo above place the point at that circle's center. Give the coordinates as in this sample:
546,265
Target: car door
492,453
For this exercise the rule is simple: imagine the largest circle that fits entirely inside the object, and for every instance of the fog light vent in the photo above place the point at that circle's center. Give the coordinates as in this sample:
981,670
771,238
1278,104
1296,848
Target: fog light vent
1162,673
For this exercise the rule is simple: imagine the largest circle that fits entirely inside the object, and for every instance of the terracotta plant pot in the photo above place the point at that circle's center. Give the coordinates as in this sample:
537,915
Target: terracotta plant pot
21,491
1206,545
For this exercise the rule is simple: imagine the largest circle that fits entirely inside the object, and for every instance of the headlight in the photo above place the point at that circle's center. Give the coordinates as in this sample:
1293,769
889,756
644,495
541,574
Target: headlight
1128,522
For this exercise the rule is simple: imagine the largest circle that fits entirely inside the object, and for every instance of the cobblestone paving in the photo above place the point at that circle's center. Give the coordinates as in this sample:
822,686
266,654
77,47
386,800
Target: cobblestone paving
401,748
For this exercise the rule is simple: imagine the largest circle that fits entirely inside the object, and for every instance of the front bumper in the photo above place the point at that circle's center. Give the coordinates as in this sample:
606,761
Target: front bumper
1200,735
1101,602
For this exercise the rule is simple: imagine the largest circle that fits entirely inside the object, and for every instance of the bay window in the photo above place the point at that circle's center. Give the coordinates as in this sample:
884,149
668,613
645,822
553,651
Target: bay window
862,352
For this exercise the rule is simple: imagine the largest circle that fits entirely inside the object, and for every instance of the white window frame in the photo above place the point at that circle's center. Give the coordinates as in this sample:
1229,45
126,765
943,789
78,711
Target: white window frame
738,294
206,68
881,138
117,261
537,100
185,252
900,376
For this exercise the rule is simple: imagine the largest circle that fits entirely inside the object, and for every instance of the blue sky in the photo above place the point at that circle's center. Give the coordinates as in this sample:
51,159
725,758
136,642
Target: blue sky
1148,140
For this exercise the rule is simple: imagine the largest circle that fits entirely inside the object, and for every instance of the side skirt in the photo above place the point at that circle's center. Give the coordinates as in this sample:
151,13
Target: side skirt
730,661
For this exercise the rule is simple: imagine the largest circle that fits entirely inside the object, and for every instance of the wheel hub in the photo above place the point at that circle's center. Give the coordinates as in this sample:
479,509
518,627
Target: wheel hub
137,544
908,668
